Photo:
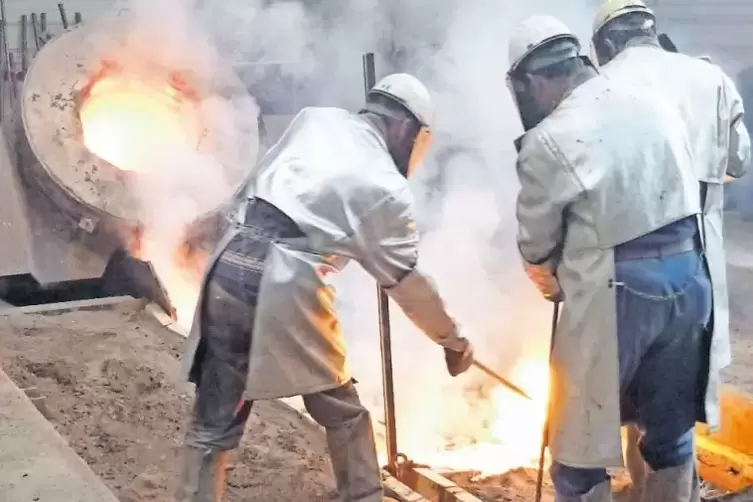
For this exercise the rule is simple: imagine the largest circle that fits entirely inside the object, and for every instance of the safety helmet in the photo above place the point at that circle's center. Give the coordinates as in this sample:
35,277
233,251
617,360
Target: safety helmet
533,33
410,93
613,9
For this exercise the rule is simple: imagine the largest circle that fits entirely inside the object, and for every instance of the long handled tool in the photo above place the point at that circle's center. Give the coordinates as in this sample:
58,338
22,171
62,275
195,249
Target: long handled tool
501,380
545,434
385,335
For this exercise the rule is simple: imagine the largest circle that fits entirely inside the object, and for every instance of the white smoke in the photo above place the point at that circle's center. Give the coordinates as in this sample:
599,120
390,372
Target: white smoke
466,193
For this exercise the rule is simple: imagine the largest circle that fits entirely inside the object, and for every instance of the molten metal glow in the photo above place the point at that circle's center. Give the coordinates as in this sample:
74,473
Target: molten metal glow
125,121
179,273
506,432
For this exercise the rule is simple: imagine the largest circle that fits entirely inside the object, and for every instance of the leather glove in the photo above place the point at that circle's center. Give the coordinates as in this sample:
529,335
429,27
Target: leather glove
545,281
459,362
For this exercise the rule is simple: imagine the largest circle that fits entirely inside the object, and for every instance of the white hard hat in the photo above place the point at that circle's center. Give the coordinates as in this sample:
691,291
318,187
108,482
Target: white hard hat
613,9
533,33
410,93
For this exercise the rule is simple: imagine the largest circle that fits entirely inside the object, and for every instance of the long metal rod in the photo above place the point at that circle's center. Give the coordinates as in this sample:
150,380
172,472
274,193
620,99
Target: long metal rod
11,79
24,48
496,376
385,334
63,16
35,30
545,433
5,80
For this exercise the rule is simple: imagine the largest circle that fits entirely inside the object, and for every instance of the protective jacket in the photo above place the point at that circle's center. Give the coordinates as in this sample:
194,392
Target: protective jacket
712,115
332,175
607,166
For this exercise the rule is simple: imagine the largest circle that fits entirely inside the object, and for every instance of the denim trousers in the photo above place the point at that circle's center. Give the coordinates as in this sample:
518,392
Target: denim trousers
663,309
220,413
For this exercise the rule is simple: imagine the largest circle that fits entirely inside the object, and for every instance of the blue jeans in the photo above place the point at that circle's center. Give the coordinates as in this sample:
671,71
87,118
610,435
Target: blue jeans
663,308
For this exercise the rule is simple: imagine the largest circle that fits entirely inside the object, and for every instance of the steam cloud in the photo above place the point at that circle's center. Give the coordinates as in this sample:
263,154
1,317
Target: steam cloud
466,193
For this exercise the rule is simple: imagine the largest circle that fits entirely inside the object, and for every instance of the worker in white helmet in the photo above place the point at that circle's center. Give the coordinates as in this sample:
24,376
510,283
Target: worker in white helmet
333,189
607,215
626,43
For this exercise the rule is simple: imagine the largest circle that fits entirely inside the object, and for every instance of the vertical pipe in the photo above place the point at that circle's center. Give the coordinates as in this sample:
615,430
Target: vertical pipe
77,18
24,48
7,55
63,16
385,334
43,35
4,71
35,30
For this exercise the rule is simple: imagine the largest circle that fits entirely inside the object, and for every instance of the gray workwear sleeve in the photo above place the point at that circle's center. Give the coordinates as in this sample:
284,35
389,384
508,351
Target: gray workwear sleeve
739,154
387,248
739,150
547,186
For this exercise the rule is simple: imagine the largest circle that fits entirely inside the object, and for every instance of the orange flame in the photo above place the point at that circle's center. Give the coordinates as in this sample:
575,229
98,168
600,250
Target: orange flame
505,434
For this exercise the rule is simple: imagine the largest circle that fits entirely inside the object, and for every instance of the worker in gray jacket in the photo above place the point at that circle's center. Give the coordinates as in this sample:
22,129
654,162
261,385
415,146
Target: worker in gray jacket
607,215
626,44
333,189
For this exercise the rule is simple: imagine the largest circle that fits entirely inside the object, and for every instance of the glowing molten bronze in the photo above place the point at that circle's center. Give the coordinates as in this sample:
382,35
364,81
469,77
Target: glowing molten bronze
127,122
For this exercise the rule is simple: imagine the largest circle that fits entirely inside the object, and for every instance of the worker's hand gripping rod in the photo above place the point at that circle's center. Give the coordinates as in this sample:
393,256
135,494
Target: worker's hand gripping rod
385,336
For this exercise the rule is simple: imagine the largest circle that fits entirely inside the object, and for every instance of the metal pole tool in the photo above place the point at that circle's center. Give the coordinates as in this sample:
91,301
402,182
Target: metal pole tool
545,434
500,379
385,334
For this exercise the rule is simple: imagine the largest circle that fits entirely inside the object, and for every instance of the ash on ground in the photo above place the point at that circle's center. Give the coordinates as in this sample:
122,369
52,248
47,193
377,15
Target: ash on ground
114,391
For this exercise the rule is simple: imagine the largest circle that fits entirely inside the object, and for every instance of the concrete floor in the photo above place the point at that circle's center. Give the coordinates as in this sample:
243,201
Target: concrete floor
36,463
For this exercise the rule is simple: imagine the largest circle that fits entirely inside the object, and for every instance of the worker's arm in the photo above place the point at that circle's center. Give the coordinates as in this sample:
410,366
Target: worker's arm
739,150
547,186
387,247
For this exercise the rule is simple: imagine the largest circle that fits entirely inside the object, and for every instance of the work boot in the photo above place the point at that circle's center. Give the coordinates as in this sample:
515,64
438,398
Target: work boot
599,493
203,478
675,484
350,440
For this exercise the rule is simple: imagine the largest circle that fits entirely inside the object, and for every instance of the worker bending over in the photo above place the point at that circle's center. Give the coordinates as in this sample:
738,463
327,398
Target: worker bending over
627,46
333,189
607,216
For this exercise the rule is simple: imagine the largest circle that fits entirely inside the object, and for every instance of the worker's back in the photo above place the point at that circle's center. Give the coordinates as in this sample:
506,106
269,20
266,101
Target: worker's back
332,175
709,104
610,164
626,153
328,170
704,96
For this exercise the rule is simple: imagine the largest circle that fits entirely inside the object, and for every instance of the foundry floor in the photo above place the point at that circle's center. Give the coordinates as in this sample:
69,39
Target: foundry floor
115,394
36,464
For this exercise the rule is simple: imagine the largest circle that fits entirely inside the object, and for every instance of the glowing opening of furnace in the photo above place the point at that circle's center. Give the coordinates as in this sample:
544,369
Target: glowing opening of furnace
135,126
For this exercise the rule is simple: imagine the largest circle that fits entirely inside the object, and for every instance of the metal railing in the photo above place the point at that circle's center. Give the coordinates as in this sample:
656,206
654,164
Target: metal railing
33,30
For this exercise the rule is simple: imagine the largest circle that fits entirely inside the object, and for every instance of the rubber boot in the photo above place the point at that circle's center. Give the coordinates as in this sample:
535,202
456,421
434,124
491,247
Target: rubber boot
599,493
675,484
204,475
